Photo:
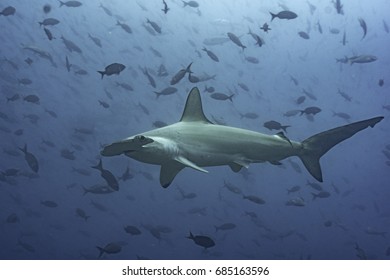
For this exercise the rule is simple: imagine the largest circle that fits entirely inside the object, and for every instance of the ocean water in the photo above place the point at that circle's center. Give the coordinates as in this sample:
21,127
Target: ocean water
48,215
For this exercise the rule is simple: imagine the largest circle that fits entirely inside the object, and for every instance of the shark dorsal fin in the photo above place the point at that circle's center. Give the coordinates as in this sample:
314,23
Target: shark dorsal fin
193,111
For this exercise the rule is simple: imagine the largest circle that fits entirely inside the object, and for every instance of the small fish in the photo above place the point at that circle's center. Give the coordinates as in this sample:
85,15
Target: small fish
362,59
322,194
338,7
104,104
192,78
30,159
225,226
106,10
300,99
209,89
24,81
222,96
166,9
310,111
71,46
48,34
28,60
381,82
265,27
114,68
202,240
275,125
211,54
252,59
180,75
298,201
98,189
133,230
49,203
107,176
166,91
95,40
154,25
81,213
249,115
319,27
235,40
303,35
12,219
254,199
49,21
192,4
72,4
291,113
67,154
293,189
67,64
8,11
149,77
344,95
284,15
125,27
110,248
363,26
125,86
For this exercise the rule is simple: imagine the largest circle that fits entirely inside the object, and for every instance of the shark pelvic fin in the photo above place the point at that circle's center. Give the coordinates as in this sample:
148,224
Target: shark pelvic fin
235,167
169,171
317,145
193,111
189,163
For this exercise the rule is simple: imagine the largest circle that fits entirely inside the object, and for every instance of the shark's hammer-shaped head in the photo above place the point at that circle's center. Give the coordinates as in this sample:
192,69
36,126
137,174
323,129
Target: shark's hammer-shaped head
128,146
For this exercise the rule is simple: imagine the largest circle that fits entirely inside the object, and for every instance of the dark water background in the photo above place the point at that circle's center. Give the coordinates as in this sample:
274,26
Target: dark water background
356,172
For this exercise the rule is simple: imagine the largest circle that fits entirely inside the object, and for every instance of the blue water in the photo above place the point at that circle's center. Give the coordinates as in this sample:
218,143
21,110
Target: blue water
356,172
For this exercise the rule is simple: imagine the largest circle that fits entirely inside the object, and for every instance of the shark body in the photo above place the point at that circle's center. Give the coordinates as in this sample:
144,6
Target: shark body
196,142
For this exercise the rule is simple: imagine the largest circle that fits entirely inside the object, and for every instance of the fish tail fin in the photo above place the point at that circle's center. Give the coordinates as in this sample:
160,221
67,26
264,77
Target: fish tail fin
99,166
185,3
273,16
24,149
314,147
85,191
101,73
188,69
40,24
231,97
191,236
314,196
61,3
157,94
101,251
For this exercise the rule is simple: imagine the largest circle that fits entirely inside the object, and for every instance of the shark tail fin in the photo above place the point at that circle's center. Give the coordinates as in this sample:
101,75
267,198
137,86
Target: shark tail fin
314,147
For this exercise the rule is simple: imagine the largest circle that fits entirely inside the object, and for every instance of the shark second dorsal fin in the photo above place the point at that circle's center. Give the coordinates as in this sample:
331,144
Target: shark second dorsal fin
193,111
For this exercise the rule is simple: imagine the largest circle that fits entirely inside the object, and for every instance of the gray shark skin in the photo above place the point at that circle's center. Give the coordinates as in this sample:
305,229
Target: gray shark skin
196,142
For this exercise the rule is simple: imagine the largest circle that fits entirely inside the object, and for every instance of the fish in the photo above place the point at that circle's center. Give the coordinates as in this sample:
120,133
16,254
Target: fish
311,110
162,71
8,11
319,27
72,4
321,194
209,89
254,199
192,78
124,26
113,68
235,40
360,252
249,115
284,15
67,64
385,26
30,159
344,95
222,96
344,41
211,54
342,115
110,248
362,59
95,40
196,142
300,99
293,189
166,9
125,86
49,21
252,59
166,91
71,46
180,75
32,98
265,27
303,35
28,60
192,4
49,203
225,226
48,34
40,52
371,231
297,201
154,25
133,230
334,30
381,82
98,189
338,6
363,26
232,188
202,240
81,213
275,125
291,113
106,10
215,41
24,81
107,176
152,82
67,154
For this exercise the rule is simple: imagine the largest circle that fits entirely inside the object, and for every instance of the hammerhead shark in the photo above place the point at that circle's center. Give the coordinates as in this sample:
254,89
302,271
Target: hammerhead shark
196,142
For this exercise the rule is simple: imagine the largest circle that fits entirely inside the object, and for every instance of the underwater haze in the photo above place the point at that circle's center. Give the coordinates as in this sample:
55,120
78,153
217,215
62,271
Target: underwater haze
310,67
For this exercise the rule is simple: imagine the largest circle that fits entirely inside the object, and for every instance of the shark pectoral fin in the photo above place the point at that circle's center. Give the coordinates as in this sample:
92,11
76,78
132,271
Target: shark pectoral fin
189,163
235,167
169,171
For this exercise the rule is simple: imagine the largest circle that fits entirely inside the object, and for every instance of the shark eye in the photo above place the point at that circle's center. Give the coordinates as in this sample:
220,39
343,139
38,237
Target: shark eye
141,138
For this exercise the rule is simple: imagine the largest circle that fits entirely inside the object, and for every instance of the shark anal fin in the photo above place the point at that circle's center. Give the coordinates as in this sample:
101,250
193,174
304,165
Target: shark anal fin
189,163
169,171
